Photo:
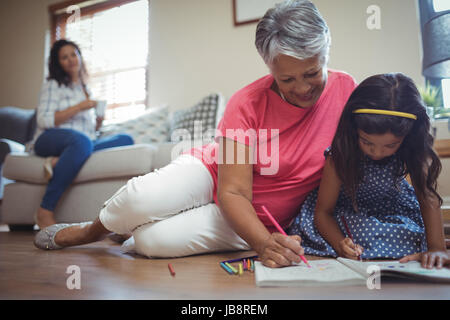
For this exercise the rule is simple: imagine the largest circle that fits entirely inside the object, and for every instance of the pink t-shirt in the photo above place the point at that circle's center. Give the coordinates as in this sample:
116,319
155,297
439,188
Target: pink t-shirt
288,141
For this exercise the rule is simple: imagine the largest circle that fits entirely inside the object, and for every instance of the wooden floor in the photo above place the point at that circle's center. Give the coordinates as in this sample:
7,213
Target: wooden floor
107,273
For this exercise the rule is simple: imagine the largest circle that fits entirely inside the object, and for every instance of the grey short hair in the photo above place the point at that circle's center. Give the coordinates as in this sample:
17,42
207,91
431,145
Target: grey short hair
294,28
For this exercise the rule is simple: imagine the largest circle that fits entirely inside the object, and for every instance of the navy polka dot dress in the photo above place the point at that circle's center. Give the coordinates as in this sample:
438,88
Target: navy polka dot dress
387,225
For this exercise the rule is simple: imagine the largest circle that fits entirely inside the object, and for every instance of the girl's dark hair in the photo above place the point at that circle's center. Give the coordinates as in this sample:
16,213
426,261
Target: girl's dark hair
396,92
55,70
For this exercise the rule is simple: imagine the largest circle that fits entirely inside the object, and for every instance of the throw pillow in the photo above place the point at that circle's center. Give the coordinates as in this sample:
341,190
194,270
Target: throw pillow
220,109
150,127
204,113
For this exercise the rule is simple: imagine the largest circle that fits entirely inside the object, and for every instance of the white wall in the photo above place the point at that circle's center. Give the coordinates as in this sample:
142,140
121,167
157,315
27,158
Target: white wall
23,28
195,49
396,47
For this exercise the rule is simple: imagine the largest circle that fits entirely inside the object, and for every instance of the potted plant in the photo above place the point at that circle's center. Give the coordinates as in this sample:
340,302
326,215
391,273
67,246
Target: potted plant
431,96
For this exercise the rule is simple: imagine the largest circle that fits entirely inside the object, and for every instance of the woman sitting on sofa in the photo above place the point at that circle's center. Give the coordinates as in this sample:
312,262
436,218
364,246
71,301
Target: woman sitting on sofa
66,126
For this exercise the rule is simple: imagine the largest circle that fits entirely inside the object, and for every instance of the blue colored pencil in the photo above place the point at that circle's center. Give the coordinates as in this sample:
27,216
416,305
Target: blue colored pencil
226,268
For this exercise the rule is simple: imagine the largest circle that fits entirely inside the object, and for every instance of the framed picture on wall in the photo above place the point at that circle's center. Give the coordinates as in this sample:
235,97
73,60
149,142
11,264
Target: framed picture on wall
251,11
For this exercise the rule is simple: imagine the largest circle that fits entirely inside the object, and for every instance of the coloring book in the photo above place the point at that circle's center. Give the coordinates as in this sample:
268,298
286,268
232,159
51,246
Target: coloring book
343,271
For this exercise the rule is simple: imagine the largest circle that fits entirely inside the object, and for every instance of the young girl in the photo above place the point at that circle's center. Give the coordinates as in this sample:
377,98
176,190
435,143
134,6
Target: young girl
383,135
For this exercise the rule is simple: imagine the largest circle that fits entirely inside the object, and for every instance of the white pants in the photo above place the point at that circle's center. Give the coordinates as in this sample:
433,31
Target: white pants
170,212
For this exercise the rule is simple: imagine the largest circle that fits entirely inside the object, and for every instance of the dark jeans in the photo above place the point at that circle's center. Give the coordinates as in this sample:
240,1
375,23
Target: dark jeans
73,149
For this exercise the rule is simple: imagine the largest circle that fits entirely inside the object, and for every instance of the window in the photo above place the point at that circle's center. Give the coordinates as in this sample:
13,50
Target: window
441,5
113,38
438,6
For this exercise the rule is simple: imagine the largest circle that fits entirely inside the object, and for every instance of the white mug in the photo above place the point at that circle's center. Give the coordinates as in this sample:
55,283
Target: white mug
100,108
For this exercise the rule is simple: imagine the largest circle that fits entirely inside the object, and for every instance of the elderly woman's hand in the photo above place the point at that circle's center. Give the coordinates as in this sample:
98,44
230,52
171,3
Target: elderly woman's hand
280,251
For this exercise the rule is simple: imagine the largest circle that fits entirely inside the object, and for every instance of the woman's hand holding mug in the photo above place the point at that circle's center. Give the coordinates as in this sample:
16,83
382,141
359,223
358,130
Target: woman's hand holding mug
87,104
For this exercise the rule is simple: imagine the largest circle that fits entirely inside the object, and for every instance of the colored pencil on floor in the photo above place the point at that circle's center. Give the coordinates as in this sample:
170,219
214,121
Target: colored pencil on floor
231,267
226,268
239,259
246,264
172,271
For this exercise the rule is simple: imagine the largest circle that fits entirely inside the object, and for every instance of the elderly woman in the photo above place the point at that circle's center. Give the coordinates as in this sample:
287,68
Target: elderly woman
210,199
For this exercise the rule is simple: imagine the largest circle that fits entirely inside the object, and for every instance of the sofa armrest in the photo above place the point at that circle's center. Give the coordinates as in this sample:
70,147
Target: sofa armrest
162,155
17,124
168,151
120,162
7,146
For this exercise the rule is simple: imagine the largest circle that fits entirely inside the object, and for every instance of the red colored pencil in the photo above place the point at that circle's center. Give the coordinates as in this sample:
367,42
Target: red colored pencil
275,223
172,271
349,234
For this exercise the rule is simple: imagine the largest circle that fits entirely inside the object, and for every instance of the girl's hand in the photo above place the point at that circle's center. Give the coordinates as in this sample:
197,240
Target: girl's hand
348,249
280,250
429,259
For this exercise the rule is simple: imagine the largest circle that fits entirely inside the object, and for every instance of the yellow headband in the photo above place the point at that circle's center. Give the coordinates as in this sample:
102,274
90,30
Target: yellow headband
387,112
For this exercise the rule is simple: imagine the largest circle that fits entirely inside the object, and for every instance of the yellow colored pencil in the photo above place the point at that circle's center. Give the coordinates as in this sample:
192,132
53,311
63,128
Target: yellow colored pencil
241,269
231,267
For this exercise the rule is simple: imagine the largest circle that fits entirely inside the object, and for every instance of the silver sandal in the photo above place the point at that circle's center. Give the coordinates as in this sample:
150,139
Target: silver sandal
45,239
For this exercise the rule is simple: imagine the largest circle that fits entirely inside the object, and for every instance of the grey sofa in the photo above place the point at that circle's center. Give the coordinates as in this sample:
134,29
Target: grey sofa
101,176
105,171
17,127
